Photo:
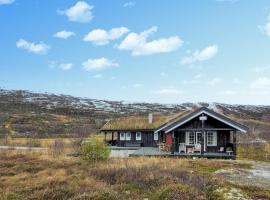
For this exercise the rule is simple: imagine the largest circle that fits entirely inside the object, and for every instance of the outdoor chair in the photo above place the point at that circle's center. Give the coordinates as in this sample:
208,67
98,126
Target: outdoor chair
197,148
221,150
182,148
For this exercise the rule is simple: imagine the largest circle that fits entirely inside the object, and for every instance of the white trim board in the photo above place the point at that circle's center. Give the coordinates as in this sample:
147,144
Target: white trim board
207,113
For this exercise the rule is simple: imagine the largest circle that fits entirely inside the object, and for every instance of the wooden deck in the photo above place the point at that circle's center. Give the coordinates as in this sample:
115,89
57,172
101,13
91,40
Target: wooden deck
152,151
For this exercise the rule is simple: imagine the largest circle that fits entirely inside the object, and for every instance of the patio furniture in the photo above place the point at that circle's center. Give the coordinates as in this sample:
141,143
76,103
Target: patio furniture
197,148
182,148
229,151
221,149
190,150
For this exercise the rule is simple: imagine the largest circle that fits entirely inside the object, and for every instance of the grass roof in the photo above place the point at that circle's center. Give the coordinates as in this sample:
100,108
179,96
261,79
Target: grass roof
140,122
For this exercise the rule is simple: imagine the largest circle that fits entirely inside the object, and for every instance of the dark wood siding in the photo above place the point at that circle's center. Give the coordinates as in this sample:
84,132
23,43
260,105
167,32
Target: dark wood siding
147,139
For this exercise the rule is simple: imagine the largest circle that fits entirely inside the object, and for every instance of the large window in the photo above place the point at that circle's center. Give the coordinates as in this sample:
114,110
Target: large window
211,138
128,136
190,138
138,136
122,136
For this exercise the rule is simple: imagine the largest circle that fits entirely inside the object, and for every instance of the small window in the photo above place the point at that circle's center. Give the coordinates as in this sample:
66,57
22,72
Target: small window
128,136
122,136
138,136
156,136
211,138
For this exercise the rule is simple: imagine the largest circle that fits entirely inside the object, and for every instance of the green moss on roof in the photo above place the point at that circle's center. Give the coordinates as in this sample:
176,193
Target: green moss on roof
140,122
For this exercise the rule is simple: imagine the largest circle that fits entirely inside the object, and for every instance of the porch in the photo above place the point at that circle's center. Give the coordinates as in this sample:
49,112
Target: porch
154,151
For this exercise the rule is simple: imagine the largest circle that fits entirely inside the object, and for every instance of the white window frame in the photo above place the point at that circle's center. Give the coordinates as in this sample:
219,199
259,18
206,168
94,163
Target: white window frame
214,139
188,133
197,138
128,136
156,136
138,136
122,136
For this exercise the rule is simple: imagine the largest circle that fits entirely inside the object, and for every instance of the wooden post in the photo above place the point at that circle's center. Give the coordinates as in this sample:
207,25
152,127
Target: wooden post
202,139
234,143
105,139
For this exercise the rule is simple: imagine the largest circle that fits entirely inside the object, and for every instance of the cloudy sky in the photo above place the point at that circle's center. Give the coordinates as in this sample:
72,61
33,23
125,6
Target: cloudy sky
152,51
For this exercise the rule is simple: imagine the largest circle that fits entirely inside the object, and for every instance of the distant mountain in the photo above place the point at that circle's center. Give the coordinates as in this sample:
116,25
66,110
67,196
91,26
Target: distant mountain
44,114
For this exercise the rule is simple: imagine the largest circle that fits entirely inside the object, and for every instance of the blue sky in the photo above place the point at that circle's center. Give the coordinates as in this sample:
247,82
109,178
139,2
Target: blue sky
151,51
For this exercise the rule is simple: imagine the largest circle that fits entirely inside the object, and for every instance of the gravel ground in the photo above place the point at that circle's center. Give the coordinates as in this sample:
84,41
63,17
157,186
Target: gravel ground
258,176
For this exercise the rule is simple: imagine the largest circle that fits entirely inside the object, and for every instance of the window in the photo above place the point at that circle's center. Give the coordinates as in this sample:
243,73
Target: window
128,136
156,136
199,137
122,136
211,138
138,136
190,138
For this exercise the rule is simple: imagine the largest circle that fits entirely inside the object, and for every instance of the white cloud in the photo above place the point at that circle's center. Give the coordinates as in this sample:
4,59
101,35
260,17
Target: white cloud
6,1
200,55
62,66
40,48
64,34
81,12
164,74
129,4
261,83
168,91
195,81
98,64
236,81
214,81
228,92
98,76
266,28
198,76
138,44
102,37
261,69
137,85
229,1
65,66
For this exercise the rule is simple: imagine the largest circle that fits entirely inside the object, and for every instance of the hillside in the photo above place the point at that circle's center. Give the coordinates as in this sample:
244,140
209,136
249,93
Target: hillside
25,113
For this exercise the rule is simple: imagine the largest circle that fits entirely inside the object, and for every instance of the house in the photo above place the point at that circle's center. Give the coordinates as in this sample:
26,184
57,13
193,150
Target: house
202,132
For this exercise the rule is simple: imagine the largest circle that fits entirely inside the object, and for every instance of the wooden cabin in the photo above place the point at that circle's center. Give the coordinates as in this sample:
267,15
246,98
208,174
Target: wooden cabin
202,132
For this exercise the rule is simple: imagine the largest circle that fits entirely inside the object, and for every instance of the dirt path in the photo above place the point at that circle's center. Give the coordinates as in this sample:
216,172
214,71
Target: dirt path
258,176
22,148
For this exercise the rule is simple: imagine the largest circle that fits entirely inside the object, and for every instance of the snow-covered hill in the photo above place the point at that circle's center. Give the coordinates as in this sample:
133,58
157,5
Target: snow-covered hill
24,107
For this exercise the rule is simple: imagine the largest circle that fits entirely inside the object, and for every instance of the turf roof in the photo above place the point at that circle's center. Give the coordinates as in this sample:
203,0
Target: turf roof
136,123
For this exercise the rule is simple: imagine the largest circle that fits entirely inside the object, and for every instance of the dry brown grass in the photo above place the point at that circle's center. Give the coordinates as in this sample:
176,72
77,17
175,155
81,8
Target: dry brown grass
44,142
38,175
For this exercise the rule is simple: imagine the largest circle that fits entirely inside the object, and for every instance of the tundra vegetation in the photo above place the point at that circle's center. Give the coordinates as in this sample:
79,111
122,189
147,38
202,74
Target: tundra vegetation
52,174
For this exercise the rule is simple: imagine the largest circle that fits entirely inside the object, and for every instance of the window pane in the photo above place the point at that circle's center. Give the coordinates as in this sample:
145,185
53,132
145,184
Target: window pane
191,138
199,137
155,136
210,138
138,136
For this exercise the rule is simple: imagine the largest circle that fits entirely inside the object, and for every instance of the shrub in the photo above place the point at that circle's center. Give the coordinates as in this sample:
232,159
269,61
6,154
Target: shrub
178,191
94,151
57,148
33,142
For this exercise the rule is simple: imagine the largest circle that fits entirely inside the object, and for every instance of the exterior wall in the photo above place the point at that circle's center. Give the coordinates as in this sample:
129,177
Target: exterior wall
147,140
223,140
